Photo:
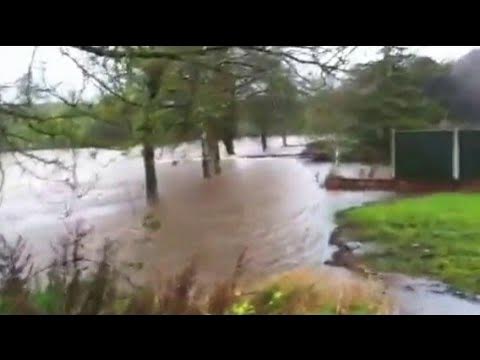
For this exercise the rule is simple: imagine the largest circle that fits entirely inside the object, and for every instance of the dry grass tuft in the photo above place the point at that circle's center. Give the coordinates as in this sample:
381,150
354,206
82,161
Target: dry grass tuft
307,291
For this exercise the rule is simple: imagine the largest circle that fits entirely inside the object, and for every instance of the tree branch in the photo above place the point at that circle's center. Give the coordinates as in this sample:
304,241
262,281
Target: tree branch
181,56
21,114
147,53
100,82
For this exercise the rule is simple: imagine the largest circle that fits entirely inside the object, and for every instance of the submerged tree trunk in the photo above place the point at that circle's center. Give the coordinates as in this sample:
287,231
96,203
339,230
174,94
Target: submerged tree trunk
151,188
230,129
263,137
210,154
218,169
206,168
229,146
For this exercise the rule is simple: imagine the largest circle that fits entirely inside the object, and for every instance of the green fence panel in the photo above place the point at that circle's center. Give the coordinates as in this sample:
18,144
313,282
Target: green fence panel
424,155
469,144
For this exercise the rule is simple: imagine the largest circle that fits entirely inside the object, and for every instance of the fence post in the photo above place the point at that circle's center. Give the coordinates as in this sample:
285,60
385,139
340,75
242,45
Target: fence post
392,152
456,155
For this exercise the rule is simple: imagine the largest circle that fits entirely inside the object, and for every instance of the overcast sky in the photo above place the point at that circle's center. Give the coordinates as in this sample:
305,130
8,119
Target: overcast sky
14,61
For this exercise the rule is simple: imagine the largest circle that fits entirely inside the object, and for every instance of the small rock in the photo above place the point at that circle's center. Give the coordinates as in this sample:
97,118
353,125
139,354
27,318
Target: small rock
335,238
353,245
409,288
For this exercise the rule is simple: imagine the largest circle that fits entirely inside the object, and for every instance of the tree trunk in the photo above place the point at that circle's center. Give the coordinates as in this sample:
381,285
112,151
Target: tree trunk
263,137
150,175
284,138
210,154
218,169
207,174
229,146
231,129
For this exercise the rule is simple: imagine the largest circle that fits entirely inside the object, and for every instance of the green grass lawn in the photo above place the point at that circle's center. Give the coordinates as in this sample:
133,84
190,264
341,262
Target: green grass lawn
436,236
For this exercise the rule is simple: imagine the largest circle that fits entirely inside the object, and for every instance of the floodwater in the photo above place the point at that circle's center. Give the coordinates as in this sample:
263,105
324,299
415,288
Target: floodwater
273,207
426,297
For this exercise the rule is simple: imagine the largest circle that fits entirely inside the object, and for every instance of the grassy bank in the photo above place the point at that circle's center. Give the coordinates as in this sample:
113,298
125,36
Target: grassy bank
436,236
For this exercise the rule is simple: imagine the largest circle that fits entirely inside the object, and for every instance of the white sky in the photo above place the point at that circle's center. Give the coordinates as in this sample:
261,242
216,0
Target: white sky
438,53
14,61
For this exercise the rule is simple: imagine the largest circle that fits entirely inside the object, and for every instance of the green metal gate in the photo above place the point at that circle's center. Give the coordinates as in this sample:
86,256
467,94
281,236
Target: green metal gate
469,146
423,155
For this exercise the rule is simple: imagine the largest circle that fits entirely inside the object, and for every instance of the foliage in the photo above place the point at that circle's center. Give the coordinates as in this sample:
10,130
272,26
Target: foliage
275,107
161,100
234,91
243,308
376,97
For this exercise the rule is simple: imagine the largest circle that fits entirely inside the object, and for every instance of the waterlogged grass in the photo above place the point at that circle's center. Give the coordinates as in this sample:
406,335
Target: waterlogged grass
435,235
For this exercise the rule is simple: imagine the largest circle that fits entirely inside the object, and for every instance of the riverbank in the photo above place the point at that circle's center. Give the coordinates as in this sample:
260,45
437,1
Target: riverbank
434,236
384,182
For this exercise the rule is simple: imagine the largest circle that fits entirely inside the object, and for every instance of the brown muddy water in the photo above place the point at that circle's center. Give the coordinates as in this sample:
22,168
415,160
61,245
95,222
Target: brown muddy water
274,207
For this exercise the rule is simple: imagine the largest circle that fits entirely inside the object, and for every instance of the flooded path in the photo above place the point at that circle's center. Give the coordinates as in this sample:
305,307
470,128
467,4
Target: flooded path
416,296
